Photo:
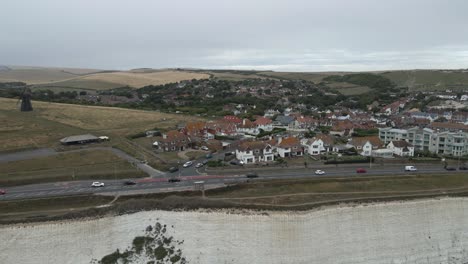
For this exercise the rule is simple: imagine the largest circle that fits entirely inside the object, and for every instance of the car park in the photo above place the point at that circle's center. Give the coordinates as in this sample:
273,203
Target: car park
188,164
209,156
2,192
319,172
174,180
251,175
361,170
199,165
97,184
205,162
129,183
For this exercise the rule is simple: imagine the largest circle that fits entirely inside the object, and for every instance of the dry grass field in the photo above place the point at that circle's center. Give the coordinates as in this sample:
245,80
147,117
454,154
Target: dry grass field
135,79
35,76
50,122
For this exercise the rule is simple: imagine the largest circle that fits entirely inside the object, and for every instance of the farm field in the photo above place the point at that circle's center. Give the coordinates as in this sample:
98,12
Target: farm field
428,80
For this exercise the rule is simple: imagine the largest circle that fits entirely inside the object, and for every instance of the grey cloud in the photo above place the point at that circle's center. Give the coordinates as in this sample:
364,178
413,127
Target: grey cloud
280,35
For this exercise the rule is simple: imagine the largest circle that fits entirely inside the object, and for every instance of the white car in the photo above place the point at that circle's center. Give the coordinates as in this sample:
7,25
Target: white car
97,184
199,165
204,148
319,172
188,164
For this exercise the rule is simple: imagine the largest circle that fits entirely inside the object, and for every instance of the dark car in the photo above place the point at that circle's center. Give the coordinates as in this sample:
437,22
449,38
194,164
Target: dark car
129,183
2,192
252,175
361,170
209,156
205,162
463,168
174,180
173,169
450,168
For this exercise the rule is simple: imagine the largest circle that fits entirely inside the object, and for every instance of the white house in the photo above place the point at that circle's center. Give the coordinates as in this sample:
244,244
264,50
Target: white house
254,151
401,148
289,147
365,145
318,145
264,124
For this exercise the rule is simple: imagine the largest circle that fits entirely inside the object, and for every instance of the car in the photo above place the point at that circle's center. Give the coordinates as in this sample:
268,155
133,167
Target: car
199,165
319,172
97,184
450,168
234,162
251,175
410,168
174,180
129,183
204,148
361,170
463,168
205,162
188,164
2,192
209,156
241,162
173,169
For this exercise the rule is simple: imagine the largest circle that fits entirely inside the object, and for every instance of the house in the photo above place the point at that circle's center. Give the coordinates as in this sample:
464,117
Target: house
247,127
283,121
271,113
303,122
342,128
233,119
254,151
172,141
289,147
365,145
221,128
318,145
401,148
264,123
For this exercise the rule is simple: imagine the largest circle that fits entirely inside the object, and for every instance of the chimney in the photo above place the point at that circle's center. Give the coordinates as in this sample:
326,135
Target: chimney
164,135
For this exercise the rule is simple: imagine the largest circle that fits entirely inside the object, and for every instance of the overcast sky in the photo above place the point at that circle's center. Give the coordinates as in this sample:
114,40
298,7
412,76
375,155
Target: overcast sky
292,35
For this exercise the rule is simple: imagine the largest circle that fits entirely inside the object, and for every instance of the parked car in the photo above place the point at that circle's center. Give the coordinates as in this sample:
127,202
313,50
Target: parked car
204,148
173,169
129,183
2,192
188,164
199,165
450,168
252,175
319,172
174,180
361,170
209,156
410,168
205,162
463,168
97,184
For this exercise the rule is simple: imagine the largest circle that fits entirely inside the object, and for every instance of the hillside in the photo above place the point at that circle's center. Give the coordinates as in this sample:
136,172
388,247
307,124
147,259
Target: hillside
430,80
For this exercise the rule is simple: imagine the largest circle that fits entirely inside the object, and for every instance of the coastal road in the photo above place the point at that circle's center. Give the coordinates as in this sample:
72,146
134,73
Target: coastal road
161,183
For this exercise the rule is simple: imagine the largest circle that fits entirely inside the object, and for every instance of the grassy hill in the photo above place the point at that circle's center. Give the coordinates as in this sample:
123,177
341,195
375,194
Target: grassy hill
50,122
430,80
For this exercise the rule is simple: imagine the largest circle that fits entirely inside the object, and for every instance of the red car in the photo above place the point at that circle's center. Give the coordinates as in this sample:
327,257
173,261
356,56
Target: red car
2,192
361,170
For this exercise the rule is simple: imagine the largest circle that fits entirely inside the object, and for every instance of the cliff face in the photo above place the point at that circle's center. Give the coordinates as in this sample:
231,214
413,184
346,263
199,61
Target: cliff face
424,231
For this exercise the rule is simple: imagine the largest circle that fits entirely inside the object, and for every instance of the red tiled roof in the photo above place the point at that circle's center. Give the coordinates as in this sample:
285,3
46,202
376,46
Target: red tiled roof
261,121
289,142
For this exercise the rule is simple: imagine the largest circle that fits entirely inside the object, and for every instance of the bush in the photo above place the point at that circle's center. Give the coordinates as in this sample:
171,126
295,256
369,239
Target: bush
349,161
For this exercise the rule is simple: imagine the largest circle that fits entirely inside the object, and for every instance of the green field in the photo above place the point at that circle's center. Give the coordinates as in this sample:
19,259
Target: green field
82,165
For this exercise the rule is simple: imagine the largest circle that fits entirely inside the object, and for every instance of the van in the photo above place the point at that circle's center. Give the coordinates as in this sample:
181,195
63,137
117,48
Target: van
410,168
